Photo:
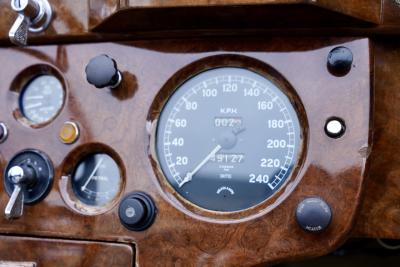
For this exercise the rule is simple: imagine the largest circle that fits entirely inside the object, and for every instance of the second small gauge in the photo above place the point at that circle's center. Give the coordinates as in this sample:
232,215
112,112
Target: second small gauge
42,99
97,179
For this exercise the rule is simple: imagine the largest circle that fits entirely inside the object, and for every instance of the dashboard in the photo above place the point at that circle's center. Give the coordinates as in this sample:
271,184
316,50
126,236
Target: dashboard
198,148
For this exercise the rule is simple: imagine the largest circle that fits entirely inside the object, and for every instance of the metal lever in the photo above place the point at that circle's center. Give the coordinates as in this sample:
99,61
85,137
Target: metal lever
15,206
33,16
20,177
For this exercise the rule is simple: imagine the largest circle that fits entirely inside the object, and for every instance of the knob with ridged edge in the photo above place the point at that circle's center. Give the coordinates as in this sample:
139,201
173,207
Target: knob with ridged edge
102,71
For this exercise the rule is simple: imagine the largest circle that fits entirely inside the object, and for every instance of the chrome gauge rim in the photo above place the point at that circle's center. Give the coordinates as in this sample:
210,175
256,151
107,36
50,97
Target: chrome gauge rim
239,187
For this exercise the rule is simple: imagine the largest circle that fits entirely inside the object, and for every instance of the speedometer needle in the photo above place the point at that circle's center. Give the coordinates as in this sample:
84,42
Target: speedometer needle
189,175
92,174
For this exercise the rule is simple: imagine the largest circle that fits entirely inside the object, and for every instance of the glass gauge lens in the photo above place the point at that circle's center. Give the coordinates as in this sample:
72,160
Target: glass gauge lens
228,139
42,98
96,180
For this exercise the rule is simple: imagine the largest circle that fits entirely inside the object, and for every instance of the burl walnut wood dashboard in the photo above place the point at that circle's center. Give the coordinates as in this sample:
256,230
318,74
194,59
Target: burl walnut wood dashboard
197,133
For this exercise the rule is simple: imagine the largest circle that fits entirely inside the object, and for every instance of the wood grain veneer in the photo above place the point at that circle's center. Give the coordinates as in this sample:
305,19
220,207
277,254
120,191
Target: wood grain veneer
332,168
55,252
102,20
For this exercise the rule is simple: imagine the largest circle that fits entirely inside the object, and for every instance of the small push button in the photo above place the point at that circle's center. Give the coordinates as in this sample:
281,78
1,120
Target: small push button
132,211
313,215
340,61
137,211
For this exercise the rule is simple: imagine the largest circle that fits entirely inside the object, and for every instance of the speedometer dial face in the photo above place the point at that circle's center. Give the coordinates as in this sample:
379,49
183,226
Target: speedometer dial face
42,98
228,139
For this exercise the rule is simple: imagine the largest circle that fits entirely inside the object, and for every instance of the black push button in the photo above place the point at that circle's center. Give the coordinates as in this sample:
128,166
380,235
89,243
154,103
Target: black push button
132,211
313,214
340,60
137,211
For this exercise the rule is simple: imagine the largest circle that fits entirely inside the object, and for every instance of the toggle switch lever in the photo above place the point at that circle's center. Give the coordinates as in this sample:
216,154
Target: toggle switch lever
22,177
33,16
28,178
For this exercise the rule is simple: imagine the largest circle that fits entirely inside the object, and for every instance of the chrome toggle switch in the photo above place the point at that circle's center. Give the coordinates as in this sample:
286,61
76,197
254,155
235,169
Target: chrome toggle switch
18,176
28,179
33,16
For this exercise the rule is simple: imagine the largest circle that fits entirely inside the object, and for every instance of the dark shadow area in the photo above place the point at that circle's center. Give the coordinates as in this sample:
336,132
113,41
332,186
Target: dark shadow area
356,253
128,87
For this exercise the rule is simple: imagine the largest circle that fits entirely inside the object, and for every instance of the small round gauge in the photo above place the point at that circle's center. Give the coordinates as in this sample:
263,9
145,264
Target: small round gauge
96,180
228,139
42,98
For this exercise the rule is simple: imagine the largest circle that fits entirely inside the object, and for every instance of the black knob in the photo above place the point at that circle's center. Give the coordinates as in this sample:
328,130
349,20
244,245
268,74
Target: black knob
313,214
33,171
27,179
137,211
340,60
102,71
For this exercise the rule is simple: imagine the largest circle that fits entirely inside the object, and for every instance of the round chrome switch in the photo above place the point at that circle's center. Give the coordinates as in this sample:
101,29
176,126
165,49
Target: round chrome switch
3,132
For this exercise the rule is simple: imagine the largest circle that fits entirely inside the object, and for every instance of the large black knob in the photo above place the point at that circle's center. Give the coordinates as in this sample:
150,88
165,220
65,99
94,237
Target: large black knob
102,71
137,211
313,215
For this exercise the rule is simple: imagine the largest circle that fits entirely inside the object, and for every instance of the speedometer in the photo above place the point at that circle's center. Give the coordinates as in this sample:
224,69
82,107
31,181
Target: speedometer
228,138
